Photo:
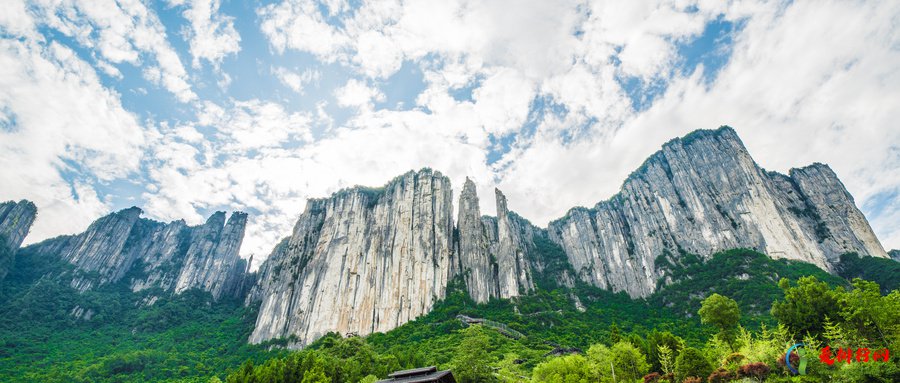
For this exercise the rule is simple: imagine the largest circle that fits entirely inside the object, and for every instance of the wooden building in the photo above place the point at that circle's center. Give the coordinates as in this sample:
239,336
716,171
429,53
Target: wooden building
420,375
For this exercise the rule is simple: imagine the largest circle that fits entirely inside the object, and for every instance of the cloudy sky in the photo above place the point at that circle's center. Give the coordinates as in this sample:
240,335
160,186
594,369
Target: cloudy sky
185,107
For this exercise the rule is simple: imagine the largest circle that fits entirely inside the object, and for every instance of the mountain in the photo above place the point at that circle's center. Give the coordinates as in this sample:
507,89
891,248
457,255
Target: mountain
704,193
15,221
368,260
895,255
172,257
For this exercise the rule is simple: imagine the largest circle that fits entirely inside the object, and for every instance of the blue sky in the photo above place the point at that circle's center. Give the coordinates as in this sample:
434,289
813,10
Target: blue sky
185,107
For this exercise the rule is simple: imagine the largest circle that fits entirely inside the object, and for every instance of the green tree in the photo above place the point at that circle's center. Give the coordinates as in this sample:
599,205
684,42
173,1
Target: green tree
656,340
722,312
629,362
692,362
563,369
472,358
369,379
806,305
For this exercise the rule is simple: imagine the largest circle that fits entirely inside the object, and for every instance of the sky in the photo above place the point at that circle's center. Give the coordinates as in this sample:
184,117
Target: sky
186,107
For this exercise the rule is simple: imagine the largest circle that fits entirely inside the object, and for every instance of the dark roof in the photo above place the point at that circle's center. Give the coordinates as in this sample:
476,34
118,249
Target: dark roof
417,375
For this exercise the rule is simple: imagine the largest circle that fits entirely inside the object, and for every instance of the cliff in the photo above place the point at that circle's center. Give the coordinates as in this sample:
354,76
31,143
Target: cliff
704,193
362,261
147,254
15,221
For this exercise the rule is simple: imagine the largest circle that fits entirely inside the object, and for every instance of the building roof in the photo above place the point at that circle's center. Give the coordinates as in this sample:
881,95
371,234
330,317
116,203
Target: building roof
417,375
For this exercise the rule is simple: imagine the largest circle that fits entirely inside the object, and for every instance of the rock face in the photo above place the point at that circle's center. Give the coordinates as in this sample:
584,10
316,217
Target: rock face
172,257
369,260
492,252
895,255
362,261
704,193
15,221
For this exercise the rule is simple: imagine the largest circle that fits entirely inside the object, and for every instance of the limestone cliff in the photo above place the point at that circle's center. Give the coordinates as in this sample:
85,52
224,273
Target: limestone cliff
15,221
362,261
493,252
704,193
171,256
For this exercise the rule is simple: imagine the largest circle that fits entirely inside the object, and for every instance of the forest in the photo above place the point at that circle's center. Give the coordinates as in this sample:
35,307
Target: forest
730,317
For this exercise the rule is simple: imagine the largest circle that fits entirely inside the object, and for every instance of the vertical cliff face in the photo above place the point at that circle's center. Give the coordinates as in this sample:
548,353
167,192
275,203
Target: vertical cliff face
704,193
173,257
477,262
15,221
496,254
510,244
359,262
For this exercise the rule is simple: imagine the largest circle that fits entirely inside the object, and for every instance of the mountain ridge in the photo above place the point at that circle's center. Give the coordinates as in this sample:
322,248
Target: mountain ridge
367,260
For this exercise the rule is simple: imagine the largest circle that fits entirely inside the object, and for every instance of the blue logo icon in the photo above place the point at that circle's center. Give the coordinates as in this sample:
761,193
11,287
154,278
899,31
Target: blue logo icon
801,351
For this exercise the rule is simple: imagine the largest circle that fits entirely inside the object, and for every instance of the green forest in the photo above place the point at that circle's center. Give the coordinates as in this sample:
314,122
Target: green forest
730,317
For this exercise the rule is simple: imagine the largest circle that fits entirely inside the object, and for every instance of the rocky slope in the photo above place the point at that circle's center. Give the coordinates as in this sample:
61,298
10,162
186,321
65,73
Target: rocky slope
15,221
369,260
704,193
895,255
171,256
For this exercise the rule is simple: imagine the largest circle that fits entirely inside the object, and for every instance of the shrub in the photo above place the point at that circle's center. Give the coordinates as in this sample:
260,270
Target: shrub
652,377
692,379
721,376
692,363
758,370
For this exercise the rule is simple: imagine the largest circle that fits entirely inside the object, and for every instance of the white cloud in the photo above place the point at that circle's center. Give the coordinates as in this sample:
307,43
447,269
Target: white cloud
120,32
296,81
212,36
357,94
65,122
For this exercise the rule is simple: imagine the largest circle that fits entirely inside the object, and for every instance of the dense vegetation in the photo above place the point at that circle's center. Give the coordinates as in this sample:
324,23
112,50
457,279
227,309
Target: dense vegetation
689,329
184,338
712,318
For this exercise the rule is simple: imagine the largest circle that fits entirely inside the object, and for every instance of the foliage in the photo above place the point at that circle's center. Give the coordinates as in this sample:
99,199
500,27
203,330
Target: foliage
190,338
692,363
563,369
884,272
806,306
722,312
472,360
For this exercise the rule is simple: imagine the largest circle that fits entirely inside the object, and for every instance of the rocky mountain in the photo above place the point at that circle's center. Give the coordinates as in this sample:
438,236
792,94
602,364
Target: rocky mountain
704,193
895,255
367,260
15,221
171,256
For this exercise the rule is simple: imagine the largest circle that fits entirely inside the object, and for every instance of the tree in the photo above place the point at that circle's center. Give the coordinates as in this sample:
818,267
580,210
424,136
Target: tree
471,363
692,362
722,312
563,369
629,362
656,341
806,305
369,379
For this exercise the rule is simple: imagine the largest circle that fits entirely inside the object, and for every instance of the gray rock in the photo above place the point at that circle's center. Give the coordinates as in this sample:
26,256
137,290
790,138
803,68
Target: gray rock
363,261
173,257
15,221
895,255
704,193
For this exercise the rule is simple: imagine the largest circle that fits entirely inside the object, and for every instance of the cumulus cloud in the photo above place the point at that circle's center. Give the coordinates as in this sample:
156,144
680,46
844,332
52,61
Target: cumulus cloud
294,80
52,151
212,35
120,32
536,97
357,94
